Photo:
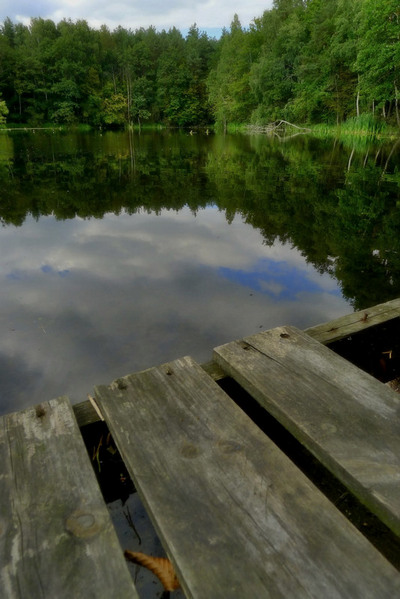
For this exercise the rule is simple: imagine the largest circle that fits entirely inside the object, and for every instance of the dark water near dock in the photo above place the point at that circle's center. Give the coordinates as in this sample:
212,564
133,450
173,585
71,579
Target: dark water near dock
121,251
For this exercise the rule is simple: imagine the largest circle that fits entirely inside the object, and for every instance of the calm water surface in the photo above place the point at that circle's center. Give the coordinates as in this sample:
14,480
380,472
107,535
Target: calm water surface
119,252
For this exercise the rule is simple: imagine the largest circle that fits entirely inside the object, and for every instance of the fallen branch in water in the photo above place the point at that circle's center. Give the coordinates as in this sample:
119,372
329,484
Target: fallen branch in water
272,128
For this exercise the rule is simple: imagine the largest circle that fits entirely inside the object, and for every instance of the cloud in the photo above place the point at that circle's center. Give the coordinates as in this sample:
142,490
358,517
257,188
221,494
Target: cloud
209,15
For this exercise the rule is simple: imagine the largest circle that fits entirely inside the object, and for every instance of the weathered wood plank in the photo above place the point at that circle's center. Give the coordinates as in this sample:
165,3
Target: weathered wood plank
345,417
56,537
86,414
213,370
236,517
354,323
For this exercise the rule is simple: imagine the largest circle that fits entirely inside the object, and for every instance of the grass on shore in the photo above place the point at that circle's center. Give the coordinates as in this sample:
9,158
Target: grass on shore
365,126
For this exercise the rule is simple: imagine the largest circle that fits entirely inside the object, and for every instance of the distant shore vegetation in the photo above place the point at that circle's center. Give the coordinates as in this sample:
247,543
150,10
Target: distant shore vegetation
326,62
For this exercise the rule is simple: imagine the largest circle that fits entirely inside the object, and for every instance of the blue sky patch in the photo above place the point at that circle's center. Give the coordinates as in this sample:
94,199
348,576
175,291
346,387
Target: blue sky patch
46,268
14,276
278,279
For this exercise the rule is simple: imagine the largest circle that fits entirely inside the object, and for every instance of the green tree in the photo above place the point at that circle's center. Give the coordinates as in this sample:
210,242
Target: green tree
3,113
66,106
76,71
24,70
114,109
199,50
313,96
7,61
39,44
378,58
140,100
275,75
173,78
343,51
229,88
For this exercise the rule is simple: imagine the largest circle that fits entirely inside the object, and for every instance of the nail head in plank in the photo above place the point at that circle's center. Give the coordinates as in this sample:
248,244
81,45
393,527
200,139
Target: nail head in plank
236,517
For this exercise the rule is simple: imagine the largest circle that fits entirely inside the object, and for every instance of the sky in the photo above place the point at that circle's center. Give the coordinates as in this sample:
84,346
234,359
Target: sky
209,15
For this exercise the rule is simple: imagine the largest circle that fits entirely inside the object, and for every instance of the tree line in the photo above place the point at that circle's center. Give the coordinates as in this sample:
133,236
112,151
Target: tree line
305,61
69,72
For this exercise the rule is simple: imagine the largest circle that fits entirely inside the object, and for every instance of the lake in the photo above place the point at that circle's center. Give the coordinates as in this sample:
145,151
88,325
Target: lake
120,251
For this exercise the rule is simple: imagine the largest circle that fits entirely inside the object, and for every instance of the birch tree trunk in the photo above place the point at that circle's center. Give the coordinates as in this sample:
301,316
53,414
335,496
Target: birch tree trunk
397,104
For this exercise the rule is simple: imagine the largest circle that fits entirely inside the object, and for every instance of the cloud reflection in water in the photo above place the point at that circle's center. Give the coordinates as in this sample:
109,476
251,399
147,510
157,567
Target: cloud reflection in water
86,301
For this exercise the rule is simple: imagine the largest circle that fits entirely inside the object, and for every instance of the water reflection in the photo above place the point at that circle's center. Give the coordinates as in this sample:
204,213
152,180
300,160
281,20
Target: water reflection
110,265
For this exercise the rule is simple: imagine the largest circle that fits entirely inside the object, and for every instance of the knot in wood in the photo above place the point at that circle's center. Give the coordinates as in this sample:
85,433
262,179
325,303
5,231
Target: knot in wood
229,446
190,451
82,524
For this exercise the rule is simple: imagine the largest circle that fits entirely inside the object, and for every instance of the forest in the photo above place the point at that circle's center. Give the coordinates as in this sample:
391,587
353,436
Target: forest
306,61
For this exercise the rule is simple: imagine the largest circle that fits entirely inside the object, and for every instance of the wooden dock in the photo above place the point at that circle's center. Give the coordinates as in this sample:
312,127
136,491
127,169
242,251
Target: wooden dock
236,516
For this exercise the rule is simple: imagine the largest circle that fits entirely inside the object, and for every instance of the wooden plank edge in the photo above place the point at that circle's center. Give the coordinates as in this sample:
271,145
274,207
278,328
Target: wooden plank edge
213,370
341,327
86,413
